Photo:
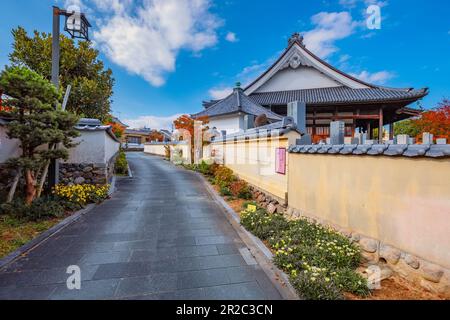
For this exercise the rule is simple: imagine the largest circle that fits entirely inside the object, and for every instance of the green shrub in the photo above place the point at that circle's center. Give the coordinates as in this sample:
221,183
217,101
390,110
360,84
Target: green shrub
121,165
350,281
313,287
224,177
225,192
240,189
262,224
204,168
45,207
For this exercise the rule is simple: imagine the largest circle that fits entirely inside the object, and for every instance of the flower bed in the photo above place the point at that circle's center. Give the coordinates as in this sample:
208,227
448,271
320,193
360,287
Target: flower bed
321,263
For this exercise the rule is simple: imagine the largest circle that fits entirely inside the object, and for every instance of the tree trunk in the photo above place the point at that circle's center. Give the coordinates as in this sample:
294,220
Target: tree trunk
30,189
44,174
43,178
12,191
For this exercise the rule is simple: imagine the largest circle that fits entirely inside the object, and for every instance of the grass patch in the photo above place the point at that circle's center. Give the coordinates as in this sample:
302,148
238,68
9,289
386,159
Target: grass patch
15,232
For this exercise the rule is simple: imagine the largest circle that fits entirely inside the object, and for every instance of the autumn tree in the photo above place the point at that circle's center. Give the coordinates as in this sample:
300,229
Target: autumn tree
186,124
36,123
435,121
156,136
92,84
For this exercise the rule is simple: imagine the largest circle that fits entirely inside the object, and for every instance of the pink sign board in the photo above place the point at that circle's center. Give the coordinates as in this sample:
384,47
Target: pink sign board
280,160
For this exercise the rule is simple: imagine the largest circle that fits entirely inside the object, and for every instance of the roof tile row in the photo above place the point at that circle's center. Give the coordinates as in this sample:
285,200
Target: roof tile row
416,150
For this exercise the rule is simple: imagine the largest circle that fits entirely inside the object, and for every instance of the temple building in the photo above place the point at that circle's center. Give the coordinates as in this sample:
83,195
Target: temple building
329,95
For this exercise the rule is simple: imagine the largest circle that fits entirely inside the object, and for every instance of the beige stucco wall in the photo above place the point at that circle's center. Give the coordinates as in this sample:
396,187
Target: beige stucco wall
254,161
404,202
157,149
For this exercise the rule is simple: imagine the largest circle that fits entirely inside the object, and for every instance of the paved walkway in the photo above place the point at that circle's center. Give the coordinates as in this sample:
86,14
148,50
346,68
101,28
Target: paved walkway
161,236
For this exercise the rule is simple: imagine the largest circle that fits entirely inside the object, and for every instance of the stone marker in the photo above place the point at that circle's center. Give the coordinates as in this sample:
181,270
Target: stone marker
402,139
337,131
427,138
297,110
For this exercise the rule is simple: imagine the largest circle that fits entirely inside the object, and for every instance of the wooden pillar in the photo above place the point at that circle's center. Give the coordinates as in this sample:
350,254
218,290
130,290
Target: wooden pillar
355,113
369,131
391,131
314,132
380,126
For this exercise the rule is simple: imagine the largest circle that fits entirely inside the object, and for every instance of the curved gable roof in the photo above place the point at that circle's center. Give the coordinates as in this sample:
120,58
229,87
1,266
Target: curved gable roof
305,57
237,101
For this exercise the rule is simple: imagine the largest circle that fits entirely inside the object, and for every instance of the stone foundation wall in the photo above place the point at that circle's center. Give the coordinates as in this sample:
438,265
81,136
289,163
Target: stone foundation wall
87,173
391,260
83,173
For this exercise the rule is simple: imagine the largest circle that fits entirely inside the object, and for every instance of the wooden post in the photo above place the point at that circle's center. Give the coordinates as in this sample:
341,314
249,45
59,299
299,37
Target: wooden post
380,126
391,131
314,125
369,131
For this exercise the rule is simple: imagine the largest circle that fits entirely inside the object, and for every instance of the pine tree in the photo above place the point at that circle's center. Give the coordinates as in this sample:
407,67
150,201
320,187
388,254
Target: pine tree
38,122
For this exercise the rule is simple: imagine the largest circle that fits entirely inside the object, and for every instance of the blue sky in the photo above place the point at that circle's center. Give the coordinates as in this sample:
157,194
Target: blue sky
169,55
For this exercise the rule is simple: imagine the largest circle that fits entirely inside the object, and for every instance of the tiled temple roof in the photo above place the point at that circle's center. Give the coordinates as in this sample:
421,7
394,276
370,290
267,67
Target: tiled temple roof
238,101
337,95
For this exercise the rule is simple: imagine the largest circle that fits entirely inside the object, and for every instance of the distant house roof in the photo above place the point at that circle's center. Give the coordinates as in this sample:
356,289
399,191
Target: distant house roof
143,131
167,134
117,120
86,124
236,102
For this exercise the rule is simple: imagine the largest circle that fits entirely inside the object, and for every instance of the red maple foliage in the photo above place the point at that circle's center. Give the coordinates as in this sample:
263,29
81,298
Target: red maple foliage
436,121
117,129
155,136
186,123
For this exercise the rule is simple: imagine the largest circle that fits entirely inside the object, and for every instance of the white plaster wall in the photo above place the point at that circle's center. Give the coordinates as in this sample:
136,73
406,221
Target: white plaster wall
231,124
91,148
158,149
111,147
9,148
296,79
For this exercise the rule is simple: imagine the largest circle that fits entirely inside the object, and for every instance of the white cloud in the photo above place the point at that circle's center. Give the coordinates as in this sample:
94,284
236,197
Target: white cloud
353,3
74,5
380,77
231,37
220,93
329,27
152,122
146,40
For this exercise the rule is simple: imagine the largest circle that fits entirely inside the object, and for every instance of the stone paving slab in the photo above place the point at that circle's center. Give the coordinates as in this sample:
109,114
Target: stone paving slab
161,236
